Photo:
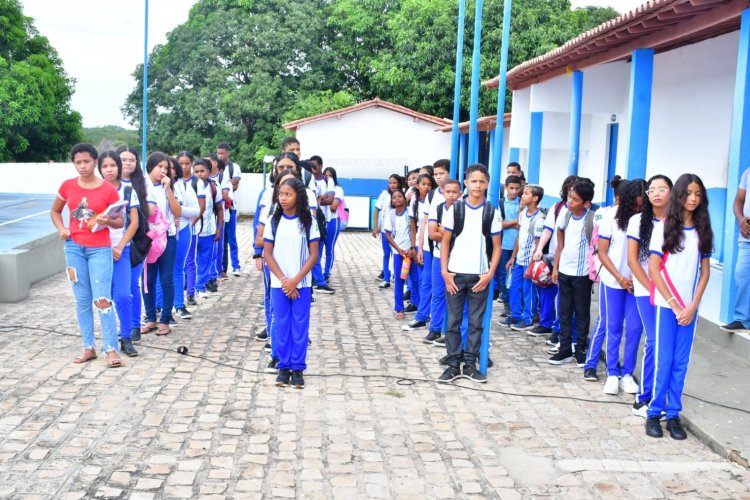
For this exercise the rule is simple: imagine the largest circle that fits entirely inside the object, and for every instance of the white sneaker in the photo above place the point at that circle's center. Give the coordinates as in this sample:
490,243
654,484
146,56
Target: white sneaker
612,385
236,272
203,295
627,384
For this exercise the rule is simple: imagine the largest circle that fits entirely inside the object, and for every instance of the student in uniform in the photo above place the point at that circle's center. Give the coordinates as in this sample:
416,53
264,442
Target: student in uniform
110,168
334,225
451,192
679,268
191,210
509,209
397,228
640,228
617,293
225,186
381,213
418,212
325,191
467,271
210,226
571,273
233,173
290,251
190,182
88,255
524,293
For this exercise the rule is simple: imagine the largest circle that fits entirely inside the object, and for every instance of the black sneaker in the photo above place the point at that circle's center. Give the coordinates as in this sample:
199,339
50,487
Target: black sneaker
444,360
126,346
271,366
580,359
653,428
384,284
262,336
324,289
734,327
473,374
380,276
509,321
414,325
212,287
191,300
490,364
183,313
135,334
411,308
172,322
539,331
407,295
640,408
553,339
282,379
431,337
590,375
449,375
506,310
676,430
440,342
298,382
561,357
267,347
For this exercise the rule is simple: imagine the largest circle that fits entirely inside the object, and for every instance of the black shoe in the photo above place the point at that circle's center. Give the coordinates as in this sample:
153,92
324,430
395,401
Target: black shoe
126,346
439,342
183,313
490,364
411,308
449,375
431,337
640,408
384,284
135,334
191,300
590,375
267,347
580,358
676,430
211,287
506,310
282,379
553,339
414,325
380,276
539,331
262,336
470,372
324,289
509,321
271,366
734,327
653,428
172,322
407,295
561,357
298,382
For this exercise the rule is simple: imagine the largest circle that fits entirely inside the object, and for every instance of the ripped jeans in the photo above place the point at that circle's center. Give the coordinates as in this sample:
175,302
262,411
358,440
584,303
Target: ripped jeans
89,269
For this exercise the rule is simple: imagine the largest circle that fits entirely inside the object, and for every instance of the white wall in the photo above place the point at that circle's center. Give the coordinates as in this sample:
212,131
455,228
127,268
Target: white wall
373,143
520,124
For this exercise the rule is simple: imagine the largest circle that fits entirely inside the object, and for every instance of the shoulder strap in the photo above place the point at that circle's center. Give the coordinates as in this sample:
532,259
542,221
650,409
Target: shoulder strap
558,207
431,195
501,204
440,209
194,183
588,225
128,194
488,213
567,220
230,165
221,177
459,211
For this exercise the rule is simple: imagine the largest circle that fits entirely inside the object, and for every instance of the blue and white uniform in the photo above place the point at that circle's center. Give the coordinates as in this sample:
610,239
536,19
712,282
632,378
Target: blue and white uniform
523,293
398,225
333,229
383,205
207,232
122,294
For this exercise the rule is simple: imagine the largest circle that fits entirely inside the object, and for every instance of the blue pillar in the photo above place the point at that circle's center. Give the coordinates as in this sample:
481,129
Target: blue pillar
475,63
461,159
144,118
739,159
457,88
639,112
491,159
514,154
535,147
576,107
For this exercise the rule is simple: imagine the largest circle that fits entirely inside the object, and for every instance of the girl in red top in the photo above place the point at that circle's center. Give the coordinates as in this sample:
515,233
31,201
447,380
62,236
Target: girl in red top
89,254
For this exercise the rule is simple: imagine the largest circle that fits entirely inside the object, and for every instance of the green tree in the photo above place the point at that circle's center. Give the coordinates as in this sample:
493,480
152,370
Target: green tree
36,122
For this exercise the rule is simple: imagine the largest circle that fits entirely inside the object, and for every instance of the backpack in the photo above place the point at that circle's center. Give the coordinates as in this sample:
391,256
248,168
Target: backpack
194,183
157,232
532,228
440,209
141,243
343,214
592,236
320,218
488,214
274,223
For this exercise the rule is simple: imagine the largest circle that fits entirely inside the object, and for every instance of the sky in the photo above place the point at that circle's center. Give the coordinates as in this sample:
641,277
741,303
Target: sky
101,41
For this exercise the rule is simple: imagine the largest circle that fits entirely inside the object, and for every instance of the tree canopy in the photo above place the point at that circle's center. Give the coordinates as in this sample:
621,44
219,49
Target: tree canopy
237,69
36,122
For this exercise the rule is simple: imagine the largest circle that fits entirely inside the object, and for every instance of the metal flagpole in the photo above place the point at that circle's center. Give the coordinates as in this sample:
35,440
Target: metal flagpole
457,89
144,119
475,64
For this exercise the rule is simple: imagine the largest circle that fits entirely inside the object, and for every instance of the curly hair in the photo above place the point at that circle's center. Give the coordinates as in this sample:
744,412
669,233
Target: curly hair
674,235
647,219
629,201
400,180
303,208
433,185
568,183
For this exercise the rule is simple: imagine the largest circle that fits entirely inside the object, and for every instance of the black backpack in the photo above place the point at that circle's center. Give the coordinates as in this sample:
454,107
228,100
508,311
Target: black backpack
274,224
141,243
488,214
440,209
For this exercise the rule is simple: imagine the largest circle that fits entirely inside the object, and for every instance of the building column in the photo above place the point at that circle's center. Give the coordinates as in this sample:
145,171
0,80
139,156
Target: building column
462,153
639,112
576,109
535,147
739,159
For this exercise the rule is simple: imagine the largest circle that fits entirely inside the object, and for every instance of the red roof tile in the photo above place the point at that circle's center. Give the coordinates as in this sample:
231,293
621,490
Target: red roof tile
484,124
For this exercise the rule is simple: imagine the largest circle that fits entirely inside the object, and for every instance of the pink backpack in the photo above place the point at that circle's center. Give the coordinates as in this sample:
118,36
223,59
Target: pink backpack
343,215
158,226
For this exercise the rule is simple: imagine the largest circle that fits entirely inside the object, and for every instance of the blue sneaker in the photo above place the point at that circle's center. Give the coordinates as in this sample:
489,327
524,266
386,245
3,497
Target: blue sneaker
521,326
509,321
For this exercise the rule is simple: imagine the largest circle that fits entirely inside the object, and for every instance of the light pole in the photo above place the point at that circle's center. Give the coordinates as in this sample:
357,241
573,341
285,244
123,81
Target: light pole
144,118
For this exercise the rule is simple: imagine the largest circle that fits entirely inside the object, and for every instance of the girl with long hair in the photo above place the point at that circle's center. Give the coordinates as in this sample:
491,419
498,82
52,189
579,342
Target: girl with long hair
191,211
334,225
381,213
679,269
191,182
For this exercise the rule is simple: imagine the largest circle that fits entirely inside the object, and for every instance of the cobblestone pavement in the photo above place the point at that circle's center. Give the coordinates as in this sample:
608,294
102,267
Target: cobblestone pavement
171,426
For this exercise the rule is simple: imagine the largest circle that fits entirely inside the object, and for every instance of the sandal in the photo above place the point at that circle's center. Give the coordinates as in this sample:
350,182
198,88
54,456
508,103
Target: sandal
113,362
88,355
148,328
400,315
163,330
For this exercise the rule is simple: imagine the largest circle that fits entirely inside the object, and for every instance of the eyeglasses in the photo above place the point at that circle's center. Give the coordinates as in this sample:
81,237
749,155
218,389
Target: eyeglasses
654,191
127,160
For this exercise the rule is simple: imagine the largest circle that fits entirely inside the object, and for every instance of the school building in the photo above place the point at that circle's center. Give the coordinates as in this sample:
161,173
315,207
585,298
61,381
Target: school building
661,89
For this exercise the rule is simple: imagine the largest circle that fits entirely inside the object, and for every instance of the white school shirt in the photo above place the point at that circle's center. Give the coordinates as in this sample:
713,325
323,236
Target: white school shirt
550,224
437,198
156,195
324,186
433,217
679,270
469,253
186,195
116,234
292,250
338,194
421,215
399,225
634,233
526,241
236,174
225,185
209,220
574,260
384,205
618,249
200,194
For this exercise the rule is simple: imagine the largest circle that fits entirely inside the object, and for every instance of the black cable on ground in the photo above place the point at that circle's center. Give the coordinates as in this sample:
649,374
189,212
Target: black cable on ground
402,381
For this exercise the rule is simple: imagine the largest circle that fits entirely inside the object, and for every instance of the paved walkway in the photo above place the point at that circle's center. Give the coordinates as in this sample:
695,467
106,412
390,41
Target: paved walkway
172,426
